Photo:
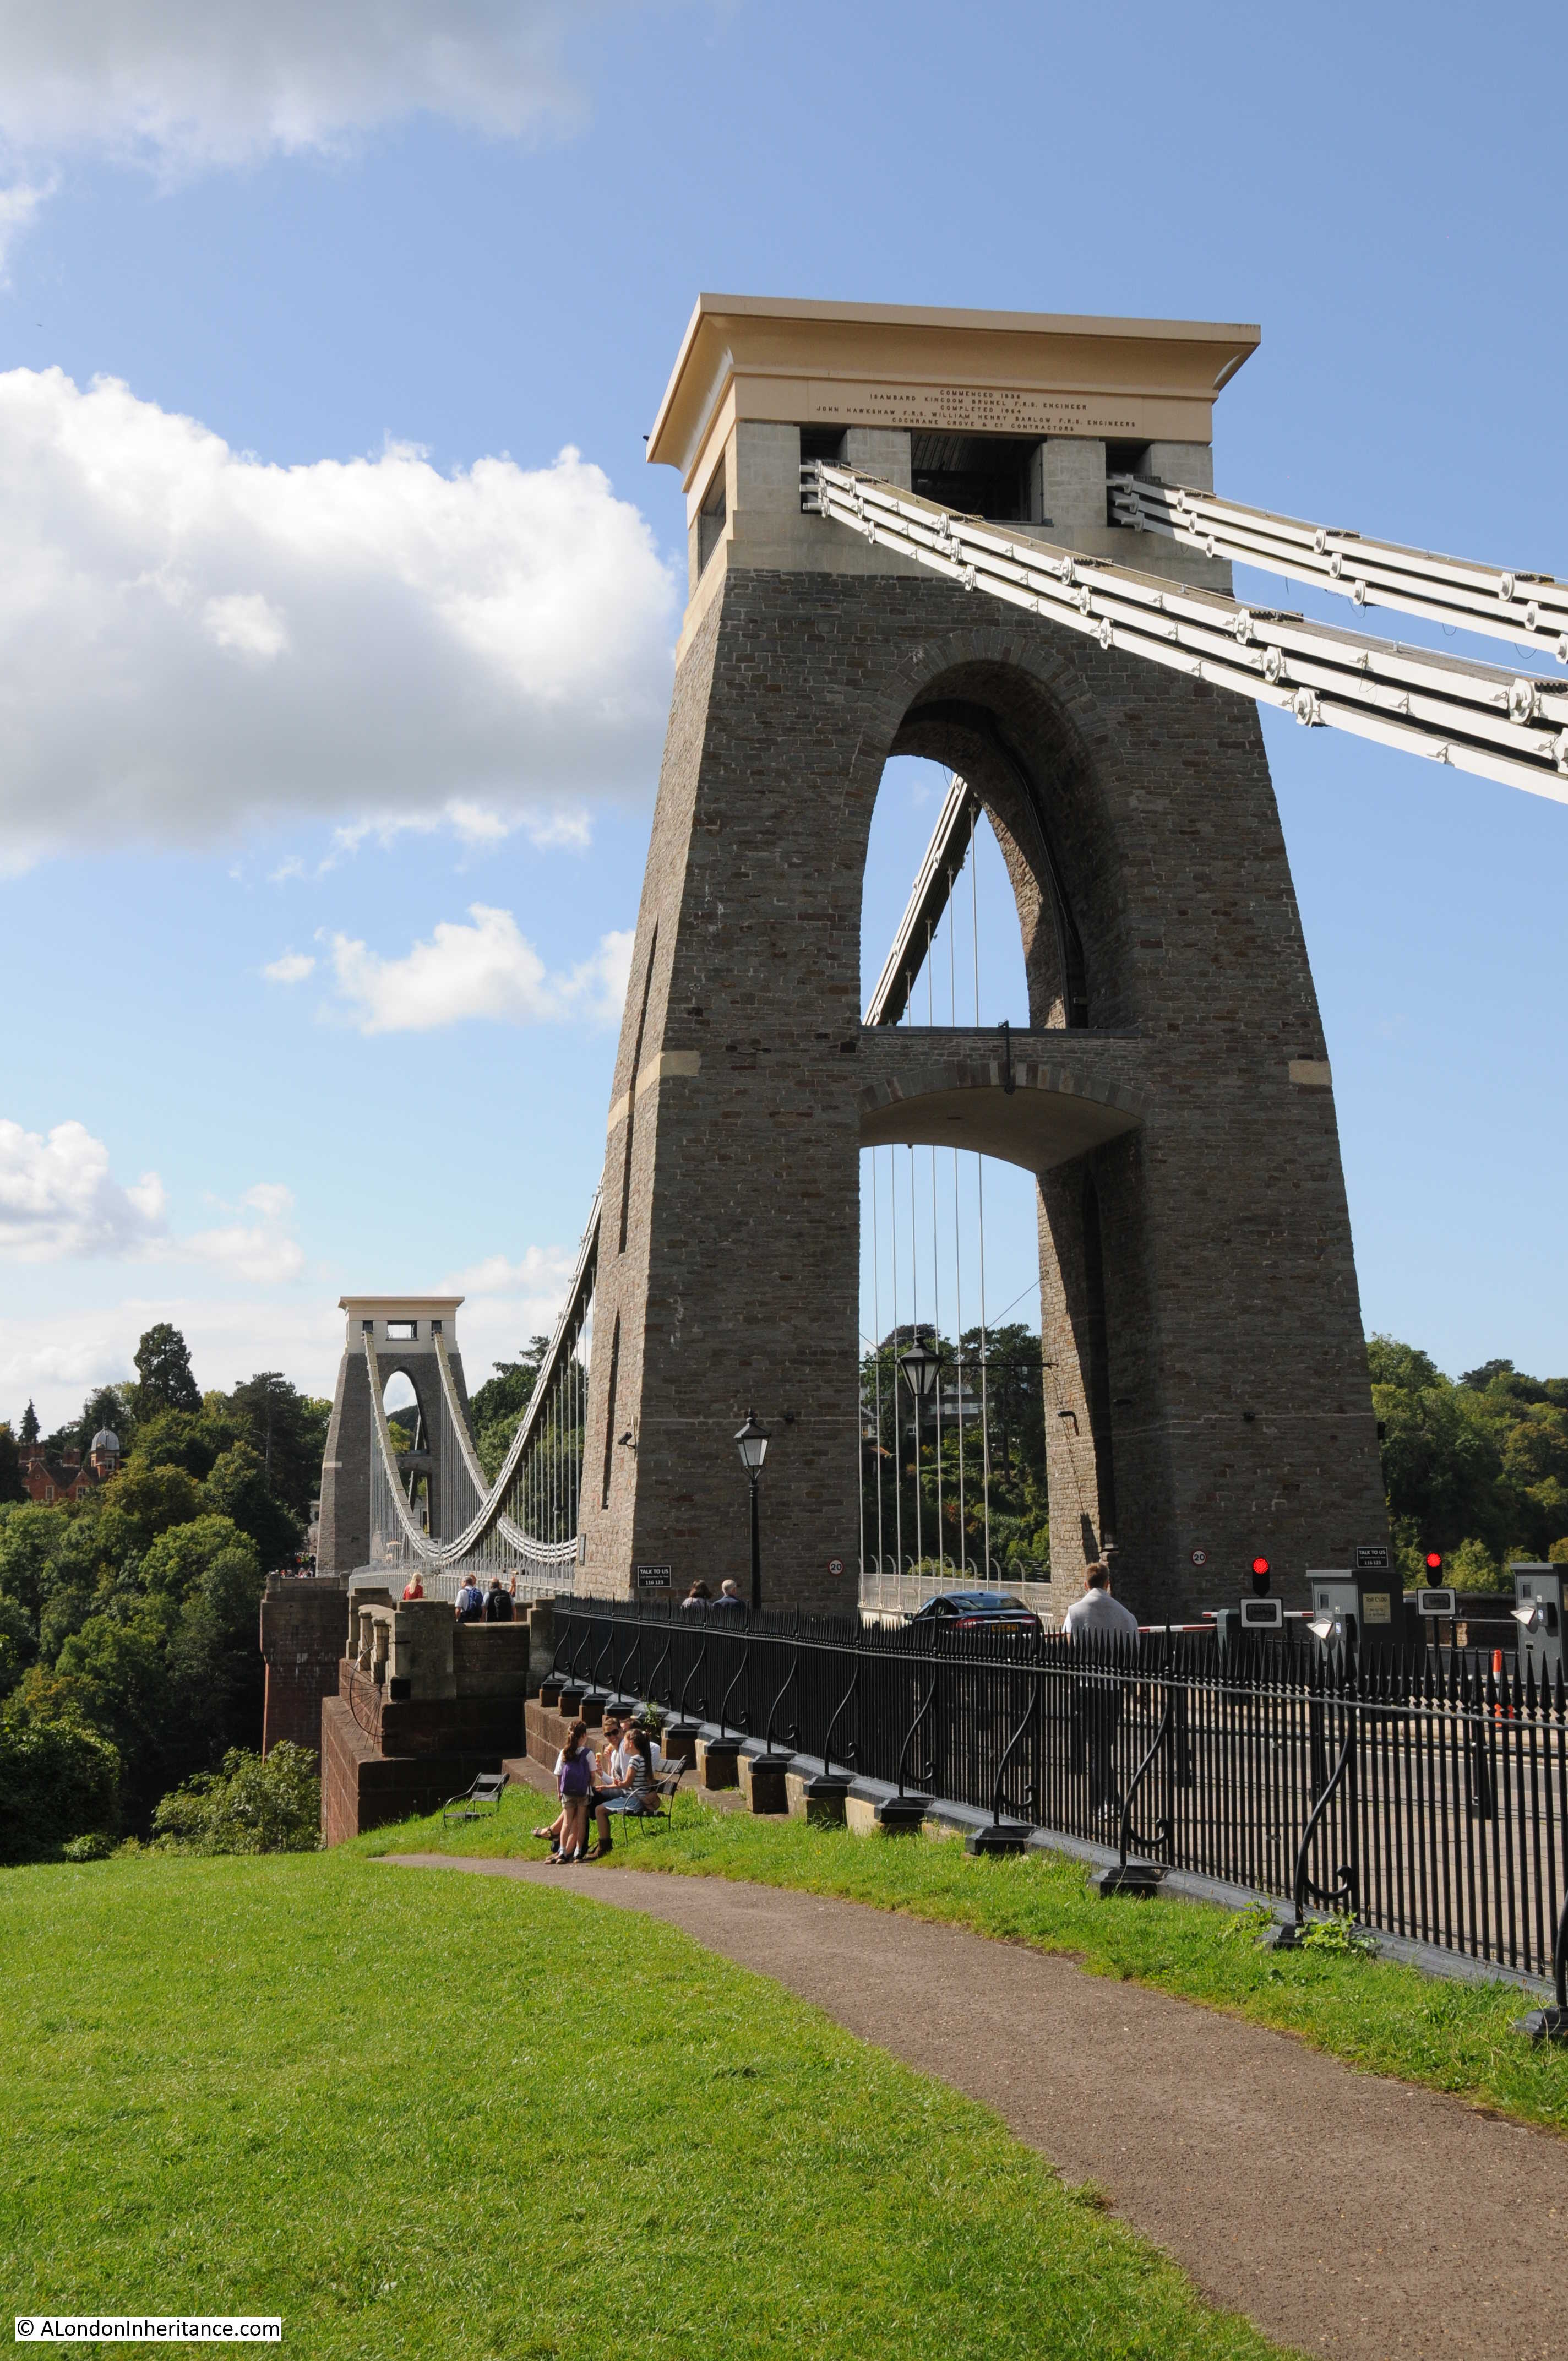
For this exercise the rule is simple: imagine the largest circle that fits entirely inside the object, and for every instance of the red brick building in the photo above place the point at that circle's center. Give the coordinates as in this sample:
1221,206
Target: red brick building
69,1476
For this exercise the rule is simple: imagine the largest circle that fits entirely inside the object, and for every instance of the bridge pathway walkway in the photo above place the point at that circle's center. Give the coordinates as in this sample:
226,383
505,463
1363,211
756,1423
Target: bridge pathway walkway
1348,2214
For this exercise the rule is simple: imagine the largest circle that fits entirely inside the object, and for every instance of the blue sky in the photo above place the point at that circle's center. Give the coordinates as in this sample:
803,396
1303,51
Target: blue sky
249,720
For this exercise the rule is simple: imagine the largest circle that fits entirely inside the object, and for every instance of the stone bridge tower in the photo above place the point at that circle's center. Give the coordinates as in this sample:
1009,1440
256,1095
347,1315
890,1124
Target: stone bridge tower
403,1330
1206,1375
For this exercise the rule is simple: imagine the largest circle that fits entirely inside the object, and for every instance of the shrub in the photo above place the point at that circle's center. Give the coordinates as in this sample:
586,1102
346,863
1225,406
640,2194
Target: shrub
58,1780
93,1846
250,1806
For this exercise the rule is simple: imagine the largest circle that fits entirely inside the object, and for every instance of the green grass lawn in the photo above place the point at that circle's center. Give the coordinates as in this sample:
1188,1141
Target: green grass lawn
1388,2018
462,2117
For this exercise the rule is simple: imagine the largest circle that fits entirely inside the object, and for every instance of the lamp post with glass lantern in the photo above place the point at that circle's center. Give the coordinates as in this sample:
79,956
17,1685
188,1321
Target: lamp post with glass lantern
752,1443
922,1366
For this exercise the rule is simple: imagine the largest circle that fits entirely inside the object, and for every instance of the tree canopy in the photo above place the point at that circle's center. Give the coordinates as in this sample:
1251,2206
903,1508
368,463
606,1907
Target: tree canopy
1476,1468
495,1407
129,1617
164,1380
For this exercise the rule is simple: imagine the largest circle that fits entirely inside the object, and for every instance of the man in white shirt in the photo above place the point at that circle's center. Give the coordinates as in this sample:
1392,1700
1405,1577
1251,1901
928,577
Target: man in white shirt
1097,1704
1097,1611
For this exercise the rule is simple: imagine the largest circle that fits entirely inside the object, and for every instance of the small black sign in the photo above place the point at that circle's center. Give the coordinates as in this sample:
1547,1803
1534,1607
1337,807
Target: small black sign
1378,1560
654,1577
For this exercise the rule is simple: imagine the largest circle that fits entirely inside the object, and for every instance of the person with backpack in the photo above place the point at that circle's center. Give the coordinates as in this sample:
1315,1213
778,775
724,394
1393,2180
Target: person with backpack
574,1785
470,1602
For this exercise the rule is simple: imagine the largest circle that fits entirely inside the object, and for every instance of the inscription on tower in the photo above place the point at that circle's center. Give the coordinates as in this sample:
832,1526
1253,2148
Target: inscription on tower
970,409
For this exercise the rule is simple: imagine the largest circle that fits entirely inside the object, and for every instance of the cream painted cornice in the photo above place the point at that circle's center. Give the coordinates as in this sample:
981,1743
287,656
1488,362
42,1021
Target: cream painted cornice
895,365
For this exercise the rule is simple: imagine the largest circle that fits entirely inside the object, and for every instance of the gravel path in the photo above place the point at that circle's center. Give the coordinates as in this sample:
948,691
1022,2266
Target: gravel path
1346,2214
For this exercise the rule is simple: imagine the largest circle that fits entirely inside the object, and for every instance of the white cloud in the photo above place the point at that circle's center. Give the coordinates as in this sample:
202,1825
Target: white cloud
504,1302
58,1197
60,1201
563,828
247,625
258,1252
185,84
487,969
292,968
540,1276
192,641
57,1357
18,203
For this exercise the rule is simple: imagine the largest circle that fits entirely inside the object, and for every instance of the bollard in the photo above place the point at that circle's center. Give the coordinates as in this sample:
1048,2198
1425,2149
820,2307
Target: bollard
763,1778
717,1761
819,1801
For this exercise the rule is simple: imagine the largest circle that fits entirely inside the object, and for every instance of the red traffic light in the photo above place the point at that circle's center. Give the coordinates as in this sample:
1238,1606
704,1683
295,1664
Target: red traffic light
1434,1561
1260,1566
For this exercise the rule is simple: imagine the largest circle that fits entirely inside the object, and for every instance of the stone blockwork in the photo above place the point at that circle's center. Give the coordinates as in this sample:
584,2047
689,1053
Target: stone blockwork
1206,1371
302,1626
422,1704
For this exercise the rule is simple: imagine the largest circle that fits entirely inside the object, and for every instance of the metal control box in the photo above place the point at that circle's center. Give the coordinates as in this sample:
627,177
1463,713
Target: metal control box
1537,1611
1360,1606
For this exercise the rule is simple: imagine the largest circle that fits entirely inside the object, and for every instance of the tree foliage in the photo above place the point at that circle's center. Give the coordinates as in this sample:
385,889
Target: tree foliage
496,1407
250,1805
131,1614
912,1497
164,1380
1477,1470
58,1780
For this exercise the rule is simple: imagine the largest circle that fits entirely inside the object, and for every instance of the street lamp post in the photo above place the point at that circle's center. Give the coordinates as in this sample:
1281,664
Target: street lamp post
752,1442
922,1366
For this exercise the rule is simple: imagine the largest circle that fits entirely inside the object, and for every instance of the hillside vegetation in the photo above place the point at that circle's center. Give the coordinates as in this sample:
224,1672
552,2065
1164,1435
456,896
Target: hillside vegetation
128,1656
1477,1468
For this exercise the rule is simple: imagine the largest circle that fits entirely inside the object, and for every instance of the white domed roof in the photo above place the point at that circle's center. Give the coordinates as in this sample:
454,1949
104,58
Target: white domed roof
105,1439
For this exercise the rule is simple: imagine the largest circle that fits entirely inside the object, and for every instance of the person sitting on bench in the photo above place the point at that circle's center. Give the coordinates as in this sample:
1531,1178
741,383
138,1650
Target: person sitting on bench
630,1793
608,1769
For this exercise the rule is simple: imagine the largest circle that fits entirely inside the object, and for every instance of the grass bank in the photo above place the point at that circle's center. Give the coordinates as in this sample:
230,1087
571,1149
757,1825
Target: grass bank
431,2116
1380,2016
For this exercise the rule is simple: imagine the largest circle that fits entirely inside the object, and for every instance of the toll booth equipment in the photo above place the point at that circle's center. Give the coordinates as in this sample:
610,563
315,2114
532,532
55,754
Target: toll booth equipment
1358,1606
1537,1611
1255,1618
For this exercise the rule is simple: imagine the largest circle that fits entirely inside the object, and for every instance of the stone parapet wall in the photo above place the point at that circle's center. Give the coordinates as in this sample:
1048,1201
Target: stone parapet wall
363,1788
492,1659
546,1731
386,1756
427,1725
302,1633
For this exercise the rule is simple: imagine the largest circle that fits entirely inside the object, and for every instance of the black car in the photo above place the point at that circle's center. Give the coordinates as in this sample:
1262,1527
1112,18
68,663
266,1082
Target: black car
978,1610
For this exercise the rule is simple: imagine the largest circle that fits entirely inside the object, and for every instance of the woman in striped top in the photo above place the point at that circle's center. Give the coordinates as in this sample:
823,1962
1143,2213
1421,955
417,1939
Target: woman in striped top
631,1795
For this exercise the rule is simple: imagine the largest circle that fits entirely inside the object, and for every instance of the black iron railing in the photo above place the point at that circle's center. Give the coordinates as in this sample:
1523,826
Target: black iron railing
1424,1792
